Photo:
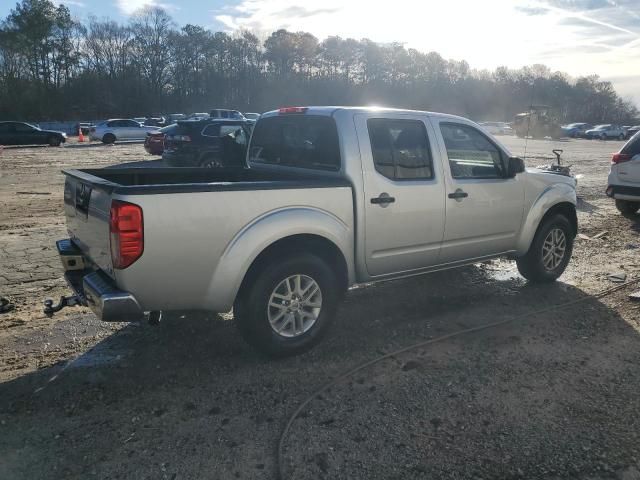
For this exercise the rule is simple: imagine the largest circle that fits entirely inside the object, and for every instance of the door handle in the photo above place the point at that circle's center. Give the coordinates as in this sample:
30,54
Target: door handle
459,194
384,199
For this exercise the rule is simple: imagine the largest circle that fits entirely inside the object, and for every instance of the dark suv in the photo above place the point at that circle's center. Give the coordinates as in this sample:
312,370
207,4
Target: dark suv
207,143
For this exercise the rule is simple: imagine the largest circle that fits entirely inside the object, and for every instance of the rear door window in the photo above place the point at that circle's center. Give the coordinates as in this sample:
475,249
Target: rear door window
303,141
400,149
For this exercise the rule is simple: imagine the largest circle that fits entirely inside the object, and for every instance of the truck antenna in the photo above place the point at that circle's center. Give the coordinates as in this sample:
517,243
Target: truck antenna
526,137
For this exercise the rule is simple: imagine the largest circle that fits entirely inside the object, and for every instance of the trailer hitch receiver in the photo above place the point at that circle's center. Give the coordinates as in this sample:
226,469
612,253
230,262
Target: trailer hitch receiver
50,308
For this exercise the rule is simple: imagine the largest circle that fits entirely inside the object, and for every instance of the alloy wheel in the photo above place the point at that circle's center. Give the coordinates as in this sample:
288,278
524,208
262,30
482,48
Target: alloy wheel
554,249
294,305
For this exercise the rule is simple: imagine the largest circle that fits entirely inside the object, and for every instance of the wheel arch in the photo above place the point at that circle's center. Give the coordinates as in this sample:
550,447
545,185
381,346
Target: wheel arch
302,229
558,199
307,243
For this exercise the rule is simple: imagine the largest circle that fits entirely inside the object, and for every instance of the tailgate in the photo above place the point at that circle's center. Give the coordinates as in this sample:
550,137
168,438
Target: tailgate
86,207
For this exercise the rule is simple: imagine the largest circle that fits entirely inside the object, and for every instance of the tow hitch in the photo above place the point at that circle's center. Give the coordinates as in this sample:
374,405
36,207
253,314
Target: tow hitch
50,308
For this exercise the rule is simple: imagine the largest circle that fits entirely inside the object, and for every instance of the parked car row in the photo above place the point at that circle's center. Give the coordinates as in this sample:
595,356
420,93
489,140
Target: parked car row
605,131
166,120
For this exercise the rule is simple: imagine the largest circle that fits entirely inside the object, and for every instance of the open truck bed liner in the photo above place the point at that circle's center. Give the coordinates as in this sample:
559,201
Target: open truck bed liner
145,181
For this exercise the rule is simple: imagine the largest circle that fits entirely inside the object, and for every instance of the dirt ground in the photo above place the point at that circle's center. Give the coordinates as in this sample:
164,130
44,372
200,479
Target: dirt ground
552,395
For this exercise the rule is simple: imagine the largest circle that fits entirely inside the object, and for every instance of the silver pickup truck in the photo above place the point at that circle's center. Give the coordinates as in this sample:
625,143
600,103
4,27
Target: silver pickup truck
331,197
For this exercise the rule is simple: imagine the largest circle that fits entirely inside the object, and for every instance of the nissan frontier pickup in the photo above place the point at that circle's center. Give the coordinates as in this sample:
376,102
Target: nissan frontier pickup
331,197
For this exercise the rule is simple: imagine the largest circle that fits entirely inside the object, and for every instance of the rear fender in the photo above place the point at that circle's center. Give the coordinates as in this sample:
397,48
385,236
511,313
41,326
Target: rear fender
254,238
553,195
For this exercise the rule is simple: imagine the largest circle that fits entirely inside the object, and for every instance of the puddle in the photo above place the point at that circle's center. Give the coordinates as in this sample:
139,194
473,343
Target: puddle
501,271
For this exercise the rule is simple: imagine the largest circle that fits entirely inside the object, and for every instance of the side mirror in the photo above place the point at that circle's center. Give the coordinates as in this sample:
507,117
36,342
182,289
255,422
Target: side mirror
515,166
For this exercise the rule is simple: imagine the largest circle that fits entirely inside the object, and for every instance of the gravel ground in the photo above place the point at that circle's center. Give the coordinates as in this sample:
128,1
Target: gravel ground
552,395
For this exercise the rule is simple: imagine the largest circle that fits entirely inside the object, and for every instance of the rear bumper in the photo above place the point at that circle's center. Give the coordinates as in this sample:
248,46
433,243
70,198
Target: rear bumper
623,192
96,290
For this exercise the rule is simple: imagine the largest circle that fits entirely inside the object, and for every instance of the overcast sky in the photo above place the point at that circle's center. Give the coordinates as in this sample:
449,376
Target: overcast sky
579,37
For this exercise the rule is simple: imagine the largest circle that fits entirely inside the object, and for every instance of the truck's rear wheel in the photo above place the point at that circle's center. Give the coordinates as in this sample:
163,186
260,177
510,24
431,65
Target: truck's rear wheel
288,305
550,251
626,207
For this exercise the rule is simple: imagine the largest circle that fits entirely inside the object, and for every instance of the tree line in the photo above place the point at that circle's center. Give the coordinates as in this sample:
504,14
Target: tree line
54,67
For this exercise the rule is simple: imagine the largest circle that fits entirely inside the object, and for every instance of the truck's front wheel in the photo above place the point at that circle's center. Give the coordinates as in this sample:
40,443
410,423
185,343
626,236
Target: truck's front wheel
550,251
287,306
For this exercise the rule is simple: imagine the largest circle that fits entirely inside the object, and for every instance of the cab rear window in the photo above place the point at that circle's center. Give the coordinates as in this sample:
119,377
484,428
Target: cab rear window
303,141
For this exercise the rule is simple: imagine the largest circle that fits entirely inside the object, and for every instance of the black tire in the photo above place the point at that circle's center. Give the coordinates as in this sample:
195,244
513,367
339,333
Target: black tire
211,161
621,137
54,141
251,309
531,266
627,208
109,138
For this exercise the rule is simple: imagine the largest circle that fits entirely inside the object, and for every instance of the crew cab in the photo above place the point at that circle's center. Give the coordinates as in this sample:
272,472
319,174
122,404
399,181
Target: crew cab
330,197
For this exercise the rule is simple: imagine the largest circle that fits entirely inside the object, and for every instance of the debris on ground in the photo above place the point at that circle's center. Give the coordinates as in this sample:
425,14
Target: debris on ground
5,305
635,296
618,277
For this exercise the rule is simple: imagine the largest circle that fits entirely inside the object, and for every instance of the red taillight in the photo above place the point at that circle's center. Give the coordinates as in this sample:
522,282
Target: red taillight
620,157
292,110
126,233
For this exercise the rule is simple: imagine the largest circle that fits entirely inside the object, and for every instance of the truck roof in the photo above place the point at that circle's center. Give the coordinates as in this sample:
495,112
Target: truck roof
332,110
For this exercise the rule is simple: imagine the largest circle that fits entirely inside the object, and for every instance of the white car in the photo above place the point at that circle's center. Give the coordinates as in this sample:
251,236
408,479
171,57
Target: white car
120,129
606,132
624,177
497,128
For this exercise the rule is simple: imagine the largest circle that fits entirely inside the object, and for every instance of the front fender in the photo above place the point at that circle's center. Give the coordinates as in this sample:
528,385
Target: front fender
262,232
552,195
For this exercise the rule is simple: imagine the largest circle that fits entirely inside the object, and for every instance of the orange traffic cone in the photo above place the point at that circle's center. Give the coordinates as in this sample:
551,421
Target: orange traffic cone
80,136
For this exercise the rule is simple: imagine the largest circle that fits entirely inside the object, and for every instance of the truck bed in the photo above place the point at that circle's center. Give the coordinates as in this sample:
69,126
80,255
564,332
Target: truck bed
195,221
140,181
